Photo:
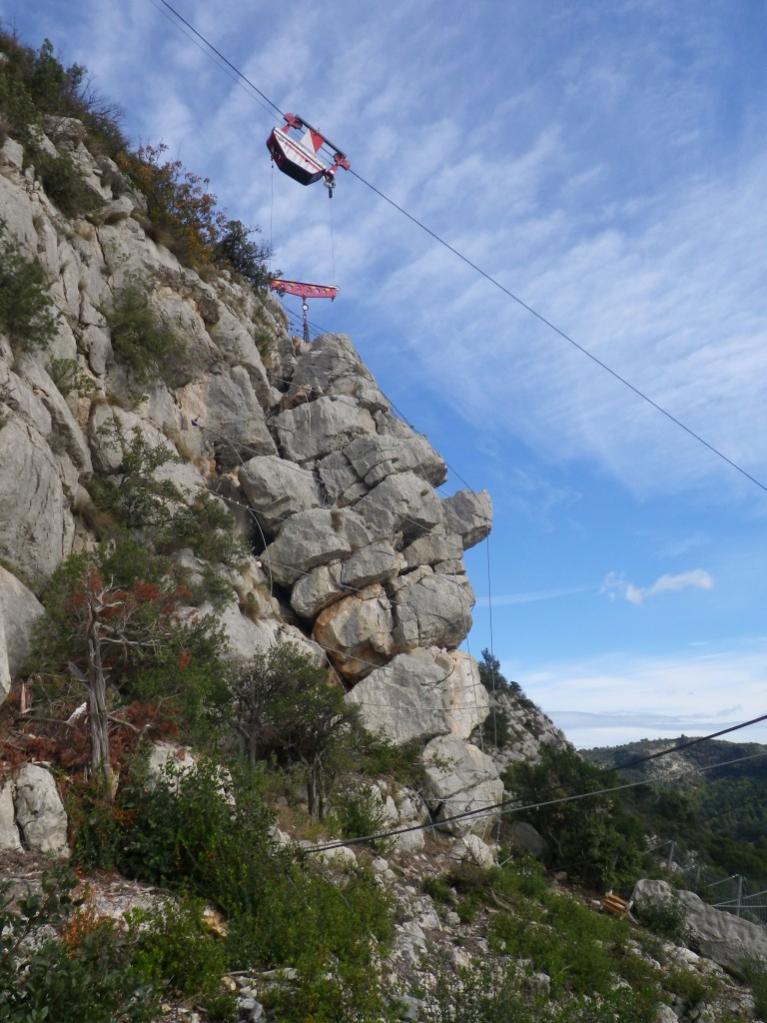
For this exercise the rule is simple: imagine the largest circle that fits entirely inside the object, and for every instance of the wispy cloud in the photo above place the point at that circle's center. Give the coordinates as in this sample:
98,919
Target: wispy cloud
531,597
615,585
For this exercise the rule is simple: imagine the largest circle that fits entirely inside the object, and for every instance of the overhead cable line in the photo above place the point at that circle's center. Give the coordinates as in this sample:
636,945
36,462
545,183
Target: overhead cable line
506,806
435,236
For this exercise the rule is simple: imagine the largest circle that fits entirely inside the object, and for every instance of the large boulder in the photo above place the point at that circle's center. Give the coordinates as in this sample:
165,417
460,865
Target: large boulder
321,426
431,609
19,610
727,939
460,778
40,813
432,548
315,537
356,631
468,515
422,694
277,489
112,430
401,504
38,527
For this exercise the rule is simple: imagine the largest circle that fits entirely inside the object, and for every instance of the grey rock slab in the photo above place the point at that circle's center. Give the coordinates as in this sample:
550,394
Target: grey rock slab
404,699
403,503
356,631
727,939
469,515
326,584
375,458
19,610
317,590
224,407
277,489
319,427
430,610
331,366
65,429
315,537
460,778
9,832
40,813
38,528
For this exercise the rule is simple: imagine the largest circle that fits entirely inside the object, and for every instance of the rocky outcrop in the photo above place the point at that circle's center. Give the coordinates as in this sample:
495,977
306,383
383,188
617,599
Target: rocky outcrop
9,832
357,560
727,939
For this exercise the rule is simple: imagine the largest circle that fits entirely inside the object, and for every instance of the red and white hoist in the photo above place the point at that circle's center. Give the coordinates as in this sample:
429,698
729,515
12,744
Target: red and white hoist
304,154
304,291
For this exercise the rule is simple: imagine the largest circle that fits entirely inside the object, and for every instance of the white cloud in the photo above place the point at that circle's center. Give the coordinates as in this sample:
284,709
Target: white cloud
615,585
621,697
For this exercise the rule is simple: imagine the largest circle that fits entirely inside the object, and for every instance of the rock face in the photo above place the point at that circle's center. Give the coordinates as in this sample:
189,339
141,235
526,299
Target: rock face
461,778
356,558
723,937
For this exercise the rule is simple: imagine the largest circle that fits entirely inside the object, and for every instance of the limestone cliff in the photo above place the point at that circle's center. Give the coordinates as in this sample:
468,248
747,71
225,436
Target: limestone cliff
356,556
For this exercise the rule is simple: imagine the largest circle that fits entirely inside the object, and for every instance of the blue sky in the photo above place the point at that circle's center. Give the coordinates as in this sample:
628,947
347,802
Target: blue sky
607,162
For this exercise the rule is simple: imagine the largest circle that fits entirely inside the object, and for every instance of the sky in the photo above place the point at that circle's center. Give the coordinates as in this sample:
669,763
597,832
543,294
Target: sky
606,162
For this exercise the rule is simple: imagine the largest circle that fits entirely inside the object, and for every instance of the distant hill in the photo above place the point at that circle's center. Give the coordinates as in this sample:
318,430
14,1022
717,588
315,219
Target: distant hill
721,812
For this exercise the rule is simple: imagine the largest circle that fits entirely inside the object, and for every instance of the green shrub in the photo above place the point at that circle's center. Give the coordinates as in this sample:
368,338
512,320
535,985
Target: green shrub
64,183
358,813
401,762
141,341
595,840
184,833
137,499
754,972
89,975
27,314
176,950
34,83
68,376
287,709
235,250
666,919
208,528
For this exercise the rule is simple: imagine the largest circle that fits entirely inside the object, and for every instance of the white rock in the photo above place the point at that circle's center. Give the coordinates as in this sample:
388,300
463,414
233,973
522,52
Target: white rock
471,849
39,811
400,504
9,833
315,537
19,610
460,778
356,631
469,515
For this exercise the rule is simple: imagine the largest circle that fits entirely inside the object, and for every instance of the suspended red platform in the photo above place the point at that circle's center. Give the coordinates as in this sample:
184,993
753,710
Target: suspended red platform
304,291
304,153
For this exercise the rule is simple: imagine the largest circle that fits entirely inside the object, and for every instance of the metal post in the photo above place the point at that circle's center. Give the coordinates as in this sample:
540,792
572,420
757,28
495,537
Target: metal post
305,310
671,851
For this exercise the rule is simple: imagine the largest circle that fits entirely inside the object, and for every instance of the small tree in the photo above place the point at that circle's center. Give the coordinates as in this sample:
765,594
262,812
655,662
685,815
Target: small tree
108,625
287,708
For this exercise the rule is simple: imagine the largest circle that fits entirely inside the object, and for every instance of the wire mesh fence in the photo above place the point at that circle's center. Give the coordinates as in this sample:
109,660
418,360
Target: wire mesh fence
735,894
